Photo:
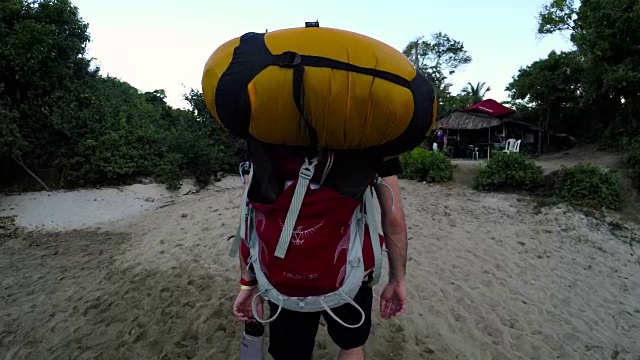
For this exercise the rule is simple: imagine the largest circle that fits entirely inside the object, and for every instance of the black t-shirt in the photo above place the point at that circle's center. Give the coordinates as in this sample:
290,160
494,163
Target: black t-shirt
390,167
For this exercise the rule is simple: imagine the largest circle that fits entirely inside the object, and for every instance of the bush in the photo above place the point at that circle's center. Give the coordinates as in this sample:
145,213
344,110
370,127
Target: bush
423,165
589,186
507,171
73,127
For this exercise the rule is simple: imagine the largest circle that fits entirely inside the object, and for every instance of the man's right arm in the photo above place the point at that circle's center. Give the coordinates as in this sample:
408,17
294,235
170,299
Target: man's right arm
393,226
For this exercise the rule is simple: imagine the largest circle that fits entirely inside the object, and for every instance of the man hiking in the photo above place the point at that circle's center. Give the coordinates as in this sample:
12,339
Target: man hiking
325,114
292,334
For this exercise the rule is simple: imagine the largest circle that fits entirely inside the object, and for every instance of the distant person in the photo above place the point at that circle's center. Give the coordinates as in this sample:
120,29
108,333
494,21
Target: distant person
440,138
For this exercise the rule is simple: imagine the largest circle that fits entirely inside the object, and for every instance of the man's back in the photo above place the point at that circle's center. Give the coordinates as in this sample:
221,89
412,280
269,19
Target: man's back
293,332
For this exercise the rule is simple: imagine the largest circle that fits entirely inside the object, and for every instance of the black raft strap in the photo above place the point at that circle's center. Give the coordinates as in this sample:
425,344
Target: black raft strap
319,61
298,97
294,60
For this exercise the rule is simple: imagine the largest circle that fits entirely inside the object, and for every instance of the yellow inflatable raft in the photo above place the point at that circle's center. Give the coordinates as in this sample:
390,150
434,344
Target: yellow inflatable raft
322,87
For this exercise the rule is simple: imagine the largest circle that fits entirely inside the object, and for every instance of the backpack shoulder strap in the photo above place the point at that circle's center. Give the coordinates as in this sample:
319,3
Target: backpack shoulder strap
240,233
349,174
372,225
306,173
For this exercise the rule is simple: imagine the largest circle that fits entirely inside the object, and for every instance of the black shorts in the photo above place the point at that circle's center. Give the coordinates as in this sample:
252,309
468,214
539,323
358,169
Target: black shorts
292,334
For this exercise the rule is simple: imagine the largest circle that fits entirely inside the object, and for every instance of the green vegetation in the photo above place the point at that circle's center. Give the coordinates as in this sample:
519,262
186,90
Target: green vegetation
423,165
507,171
634,162
73,127
593,91
587,185
582,185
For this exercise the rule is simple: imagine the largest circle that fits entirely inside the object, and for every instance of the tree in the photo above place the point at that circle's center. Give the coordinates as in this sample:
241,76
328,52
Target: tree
232,150
475,93
550,84
67,124
438,58
606,34
608,38
557,15
42,47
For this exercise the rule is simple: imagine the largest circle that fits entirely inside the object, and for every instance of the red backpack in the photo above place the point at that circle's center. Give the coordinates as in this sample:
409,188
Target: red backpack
309,228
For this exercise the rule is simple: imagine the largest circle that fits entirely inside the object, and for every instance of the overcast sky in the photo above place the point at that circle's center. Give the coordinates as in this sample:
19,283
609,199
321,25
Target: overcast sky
164,44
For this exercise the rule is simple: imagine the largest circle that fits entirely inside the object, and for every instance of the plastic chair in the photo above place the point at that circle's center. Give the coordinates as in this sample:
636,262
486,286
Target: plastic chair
516,147
511,143
472,153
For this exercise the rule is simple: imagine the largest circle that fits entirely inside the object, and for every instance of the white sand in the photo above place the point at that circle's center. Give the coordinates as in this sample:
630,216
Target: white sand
71,210
490,276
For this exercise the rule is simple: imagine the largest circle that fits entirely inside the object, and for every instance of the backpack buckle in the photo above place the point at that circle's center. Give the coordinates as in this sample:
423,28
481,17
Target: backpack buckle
308,168
287,59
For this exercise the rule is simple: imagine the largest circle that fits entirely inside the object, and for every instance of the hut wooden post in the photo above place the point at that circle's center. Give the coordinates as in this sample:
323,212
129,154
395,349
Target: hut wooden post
489,145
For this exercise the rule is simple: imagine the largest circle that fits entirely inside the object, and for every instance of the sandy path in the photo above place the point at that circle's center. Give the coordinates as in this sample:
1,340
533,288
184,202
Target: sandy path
489,277
66,210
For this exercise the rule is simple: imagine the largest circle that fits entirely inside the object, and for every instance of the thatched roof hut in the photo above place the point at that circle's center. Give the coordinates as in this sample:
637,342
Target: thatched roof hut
463,120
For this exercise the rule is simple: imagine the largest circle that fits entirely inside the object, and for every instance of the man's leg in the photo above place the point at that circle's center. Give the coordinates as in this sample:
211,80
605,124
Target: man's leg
351,340
292,334
353,354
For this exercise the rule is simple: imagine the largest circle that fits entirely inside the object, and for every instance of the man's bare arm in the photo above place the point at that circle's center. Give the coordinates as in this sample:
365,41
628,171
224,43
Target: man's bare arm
393,226
245,273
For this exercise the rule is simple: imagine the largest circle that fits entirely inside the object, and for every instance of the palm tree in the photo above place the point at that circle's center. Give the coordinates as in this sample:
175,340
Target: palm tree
476,93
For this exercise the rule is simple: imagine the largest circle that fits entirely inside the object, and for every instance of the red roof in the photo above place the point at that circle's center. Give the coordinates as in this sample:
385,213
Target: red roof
492,108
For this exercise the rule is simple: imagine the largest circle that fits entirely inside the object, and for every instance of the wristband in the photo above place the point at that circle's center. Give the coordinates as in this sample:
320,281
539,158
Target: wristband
245,287
248,282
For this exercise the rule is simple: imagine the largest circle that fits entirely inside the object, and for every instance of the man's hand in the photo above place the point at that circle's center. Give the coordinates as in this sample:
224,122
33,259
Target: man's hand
242,306
393,299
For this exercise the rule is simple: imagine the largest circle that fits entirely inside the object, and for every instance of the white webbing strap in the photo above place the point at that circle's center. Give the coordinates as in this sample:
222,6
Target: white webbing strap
350,301
242,227
327,167
372,224
380,181
304,177
254,308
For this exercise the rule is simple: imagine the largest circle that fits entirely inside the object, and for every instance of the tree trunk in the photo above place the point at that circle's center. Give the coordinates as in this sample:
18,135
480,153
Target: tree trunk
546,130
19,161
540,134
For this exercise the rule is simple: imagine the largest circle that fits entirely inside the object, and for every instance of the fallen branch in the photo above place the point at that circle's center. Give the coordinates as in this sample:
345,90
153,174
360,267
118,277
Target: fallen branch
30,173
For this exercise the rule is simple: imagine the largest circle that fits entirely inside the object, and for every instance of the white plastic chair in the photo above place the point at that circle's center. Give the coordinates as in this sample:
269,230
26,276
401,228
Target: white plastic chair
509,147
516,147
472,153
